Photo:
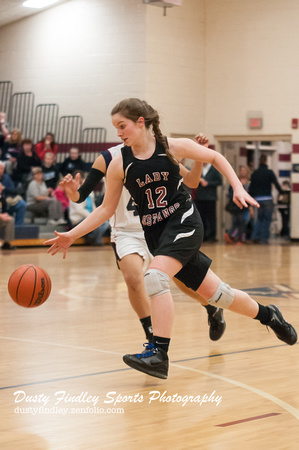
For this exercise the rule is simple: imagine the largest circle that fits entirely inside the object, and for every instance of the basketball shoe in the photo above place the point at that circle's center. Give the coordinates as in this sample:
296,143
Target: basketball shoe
283,330
217,324
153,361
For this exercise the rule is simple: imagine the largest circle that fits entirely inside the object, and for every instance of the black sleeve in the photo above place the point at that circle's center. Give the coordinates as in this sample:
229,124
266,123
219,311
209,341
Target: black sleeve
93,178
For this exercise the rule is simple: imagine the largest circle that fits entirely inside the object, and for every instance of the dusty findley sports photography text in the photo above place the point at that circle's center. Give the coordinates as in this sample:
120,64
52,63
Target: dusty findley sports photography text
114,398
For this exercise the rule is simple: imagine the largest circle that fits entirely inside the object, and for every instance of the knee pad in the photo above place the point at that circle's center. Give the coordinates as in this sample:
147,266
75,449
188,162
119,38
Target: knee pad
156,282
223,297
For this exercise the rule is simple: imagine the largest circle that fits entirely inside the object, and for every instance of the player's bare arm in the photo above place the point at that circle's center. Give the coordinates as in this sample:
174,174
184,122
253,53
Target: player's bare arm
186,148
192,177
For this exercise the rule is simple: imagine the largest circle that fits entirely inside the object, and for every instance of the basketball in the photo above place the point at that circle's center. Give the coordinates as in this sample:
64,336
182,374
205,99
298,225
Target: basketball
29,286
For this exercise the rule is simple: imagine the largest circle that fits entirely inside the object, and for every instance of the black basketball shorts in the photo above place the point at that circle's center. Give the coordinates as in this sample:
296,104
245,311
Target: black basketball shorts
181,237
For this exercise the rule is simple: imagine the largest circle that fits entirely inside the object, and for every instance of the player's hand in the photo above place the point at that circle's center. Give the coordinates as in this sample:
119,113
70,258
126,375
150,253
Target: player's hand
201,139
61,242
70,185
243,199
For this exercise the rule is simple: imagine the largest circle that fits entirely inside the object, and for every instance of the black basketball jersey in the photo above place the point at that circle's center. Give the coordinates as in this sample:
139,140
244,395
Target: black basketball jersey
155,185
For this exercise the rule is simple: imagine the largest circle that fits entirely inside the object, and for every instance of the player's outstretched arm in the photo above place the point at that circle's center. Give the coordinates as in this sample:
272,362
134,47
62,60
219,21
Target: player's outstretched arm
186,148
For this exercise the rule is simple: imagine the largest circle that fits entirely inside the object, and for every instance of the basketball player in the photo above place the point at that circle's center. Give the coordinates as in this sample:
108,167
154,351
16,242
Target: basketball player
127,237
173,230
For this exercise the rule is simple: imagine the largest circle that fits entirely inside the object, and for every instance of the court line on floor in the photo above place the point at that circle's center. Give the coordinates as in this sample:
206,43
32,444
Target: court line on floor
32,341
284,405
175,363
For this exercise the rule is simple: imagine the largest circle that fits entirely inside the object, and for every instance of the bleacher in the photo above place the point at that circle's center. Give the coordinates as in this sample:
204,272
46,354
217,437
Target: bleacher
35,121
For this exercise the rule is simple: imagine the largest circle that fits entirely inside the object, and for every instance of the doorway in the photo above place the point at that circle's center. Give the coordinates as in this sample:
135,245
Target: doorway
246,151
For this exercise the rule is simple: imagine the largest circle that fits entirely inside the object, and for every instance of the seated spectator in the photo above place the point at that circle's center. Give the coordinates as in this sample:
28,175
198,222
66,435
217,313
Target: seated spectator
26,160
10,150
15,205
50,171
8,223
78,212
72,163
41,202
47,144
4,129
61,196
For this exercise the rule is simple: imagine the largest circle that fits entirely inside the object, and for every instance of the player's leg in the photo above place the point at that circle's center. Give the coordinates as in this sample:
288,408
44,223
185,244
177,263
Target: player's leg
154,359
132,257
131,267
215,315
218,293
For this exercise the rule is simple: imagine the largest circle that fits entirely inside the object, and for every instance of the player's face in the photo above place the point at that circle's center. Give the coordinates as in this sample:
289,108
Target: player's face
127,130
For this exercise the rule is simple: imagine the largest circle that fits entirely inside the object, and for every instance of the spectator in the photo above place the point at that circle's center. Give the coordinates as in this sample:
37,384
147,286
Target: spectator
4,129
50,171
237,232
61,196
78,212
284,202
8,223
40,202
205,200
72,163
10,150
47,144
260,189
26,160
15,205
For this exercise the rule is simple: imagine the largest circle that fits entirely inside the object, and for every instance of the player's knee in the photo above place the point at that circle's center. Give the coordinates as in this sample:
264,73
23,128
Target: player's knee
156,282
223,297
134,280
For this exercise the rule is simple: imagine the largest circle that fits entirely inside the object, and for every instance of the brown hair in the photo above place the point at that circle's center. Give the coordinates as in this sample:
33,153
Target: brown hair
18,140
263,159
133,108
27,141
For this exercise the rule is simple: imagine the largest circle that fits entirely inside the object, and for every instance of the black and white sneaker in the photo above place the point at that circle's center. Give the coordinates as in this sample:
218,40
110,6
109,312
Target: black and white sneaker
217,324
153,361
283,330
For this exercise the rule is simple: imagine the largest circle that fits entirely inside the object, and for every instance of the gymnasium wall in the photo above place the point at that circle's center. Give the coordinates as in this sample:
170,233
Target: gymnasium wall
88,55
252,66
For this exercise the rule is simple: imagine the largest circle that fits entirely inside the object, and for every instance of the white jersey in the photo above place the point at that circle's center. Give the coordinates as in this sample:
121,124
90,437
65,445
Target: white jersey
125,217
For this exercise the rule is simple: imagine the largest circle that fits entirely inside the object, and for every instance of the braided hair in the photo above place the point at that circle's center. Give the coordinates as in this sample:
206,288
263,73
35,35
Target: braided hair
133,108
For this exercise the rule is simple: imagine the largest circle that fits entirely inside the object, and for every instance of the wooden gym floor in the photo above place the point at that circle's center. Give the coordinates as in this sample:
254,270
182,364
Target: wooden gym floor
64,385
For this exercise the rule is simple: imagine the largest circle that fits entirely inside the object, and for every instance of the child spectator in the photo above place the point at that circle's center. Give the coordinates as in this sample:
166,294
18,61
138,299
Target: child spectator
61,196
50,171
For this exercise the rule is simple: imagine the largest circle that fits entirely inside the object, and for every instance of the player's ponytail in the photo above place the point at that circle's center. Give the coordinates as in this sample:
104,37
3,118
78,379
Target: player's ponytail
133,108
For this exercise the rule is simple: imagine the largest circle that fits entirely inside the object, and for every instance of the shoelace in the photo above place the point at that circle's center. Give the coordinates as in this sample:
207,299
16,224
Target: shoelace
149,347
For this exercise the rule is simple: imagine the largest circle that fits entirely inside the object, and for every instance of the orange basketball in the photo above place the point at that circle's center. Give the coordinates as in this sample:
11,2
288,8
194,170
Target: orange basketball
29,286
